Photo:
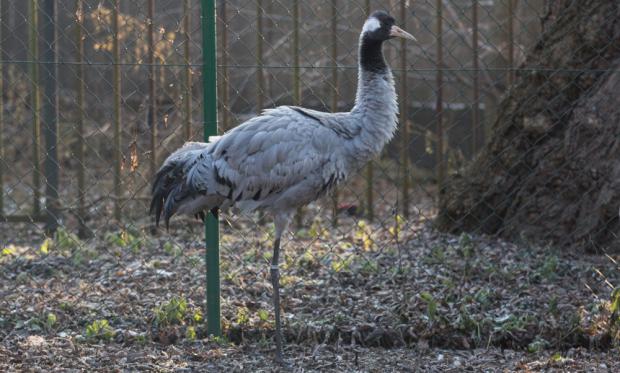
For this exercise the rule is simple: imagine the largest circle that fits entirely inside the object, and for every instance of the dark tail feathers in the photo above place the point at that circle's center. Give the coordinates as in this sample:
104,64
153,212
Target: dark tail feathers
167,189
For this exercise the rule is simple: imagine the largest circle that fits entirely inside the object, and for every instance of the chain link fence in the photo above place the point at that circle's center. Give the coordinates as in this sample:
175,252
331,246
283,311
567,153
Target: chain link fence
83,132
129,91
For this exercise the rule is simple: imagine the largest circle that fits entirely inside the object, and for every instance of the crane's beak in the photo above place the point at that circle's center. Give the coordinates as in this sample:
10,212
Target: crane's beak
399,32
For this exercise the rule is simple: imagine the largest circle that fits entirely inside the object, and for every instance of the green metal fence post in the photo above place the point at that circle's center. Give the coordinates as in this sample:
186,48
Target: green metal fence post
335,89
116,86
209,71
404,122
476,81
187,88
35,101
370,204
511,42
299,216
441,168
50,115
1,116
81,94
225,96
152,111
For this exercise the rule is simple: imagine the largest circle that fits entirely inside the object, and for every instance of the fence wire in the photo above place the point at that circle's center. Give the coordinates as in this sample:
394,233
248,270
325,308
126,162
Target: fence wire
128,93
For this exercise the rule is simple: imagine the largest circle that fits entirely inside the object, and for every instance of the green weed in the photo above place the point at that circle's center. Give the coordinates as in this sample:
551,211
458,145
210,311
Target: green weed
243,316
190,333
125,239
172,312
537,345
50,320
99,330
431,305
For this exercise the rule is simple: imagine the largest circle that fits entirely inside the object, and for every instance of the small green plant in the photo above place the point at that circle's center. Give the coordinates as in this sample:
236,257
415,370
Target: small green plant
370,267
341,265
553,305
548,269
466,246
466,323
172,249
615,302
190,333
436,256
141,339
22,278
339,318
7,251
511,323
537,345
317,230
82,255
67,307
220,341
482,296
308,260
267,255
264,342
197,317
243,316
125,239
45,246
431,305
231,278
363,234
65,240
99,330
67,243
614,319
172,312
556,358
50,320
194,261
169,315
395,230
263,315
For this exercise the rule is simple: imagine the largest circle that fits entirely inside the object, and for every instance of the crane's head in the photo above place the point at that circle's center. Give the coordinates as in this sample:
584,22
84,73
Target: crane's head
380,26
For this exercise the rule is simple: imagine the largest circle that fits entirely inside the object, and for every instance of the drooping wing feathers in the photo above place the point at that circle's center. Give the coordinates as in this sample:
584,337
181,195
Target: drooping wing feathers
169,181
279,160
162,186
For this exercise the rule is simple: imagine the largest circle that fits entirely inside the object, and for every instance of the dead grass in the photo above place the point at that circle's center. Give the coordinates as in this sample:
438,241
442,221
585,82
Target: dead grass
388,296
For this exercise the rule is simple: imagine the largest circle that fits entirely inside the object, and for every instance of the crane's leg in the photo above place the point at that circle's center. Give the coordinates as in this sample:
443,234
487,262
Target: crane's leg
275,282
281,222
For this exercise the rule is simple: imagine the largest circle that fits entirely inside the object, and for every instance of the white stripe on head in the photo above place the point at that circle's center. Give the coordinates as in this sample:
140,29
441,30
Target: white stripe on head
371,25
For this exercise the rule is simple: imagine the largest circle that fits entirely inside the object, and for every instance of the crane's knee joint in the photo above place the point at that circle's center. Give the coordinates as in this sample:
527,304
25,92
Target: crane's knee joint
275,273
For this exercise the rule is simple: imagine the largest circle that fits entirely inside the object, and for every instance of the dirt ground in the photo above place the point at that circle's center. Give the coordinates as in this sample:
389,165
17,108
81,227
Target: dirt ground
368,297
43,354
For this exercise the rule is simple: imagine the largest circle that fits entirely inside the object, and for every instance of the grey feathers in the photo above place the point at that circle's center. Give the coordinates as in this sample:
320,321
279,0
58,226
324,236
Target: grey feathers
285,158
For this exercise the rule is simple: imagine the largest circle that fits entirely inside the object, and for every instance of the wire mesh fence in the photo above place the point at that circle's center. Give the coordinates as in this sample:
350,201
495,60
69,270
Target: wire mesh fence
443,91
92,106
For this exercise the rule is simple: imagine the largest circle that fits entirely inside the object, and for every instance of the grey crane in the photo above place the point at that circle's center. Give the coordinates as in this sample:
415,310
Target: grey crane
288,156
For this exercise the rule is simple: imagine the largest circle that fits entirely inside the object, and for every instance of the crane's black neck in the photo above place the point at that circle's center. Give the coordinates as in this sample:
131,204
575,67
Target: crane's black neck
371,55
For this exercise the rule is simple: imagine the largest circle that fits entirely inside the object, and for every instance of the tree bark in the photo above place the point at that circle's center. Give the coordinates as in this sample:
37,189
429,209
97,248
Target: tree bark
550,173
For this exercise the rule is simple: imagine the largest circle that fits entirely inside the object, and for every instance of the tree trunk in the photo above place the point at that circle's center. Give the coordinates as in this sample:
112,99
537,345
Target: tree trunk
551,170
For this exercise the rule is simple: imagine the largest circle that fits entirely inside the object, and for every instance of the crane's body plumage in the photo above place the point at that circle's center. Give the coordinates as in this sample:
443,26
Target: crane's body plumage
286,157
283,159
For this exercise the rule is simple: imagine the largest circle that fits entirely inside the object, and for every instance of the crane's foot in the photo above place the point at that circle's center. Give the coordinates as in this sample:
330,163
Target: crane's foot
279,354
283,363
